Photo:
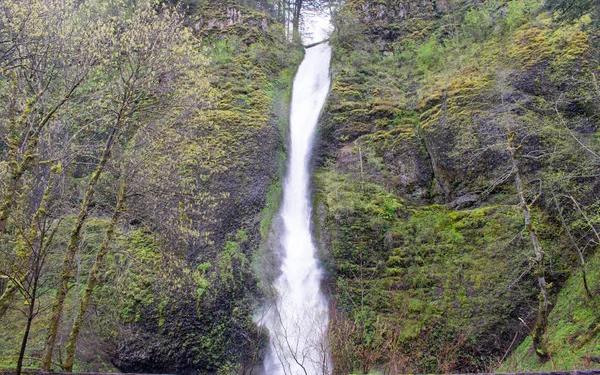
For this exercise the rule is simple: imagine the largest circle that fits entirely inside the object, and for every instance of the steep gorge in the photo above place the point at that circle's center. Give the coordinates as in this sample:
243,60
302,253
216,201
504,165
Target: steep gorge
435,106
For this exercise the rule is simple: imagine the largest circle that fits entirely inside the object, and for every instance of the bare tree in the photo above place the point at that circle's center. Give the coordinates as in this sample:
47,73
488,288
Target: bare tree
32,244
300,344
544,303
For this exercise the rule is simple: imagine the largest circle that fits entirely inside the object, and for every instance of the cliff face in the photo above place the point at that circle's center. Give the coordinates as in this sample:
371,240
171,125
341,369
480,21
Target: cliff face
200,317
431,263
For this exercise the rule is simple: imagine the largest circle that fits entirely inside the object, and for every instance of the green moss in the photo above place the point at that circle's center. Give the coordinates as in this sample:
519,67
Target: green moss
453,270
443,97
142,275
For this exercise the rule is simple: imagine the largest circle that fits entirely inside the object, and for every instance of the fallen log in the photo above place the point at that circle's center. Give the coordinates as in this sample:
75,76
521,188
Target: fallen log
316,44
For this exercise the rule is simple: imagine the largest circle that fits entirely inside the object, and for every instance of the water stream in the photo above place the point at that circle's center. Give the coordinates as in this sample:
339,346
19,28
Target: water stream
297,323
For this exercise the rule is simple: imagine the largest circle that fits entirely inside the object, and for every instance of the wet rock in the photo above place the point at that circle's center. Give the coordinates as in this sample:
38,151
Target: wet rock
465,201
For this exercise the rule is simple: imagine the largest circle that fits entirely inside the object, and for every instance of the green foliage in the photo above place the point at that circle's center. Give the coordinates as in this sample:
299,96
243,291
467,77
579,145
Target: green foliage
478,22
222,51
517,13
429,55
345,196
489,19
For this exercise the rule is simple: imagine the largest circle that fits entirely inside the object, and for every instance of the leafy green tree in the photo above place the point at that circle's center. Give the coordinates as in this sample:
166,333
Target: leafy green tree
45,61
46,58
151,61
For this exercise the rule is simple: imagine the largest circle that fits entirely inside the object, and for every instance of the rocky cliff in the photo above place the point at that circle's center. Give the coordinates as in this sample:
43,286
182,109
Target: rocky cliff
201,318
432,267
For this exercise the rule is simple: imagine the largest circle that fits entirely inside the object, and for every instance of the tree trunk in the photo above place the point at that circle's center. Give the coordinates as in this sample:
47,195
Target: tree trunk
25,338
92,279
311,45
16,142
17,168
544,305
63,287
12,285
29,319
297,12
8,202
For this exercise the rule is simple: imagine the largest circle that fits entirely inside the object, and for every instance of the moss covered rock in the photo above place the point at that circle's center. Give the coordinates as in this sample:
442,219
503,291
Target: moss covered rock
431,264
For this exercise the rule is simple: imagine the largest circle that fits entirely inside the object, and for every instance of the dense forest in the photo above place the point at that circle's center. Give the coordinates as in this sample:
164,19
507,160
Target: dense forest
456,183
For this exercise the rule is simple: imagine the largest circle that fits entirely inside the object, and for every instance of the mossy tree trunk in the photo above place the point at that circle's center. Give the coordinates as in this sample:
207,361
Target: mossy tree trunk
16,166
23,139
74,239
93,278
544,304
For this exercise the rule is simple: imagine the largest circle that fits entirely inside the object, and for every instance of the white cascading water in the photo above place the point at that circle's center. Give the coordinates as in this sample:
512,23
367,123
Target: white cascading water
297,323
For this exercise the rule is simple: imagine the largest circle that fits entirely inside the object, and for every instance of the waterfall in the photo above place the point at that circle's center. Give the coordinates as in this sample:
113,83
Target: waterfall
297,322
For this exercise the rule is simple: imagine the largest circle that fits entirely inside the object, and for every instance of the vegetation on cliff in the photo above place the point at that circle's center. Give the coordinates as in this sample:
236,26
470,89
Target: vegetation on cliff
458,180
457,195
140,144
